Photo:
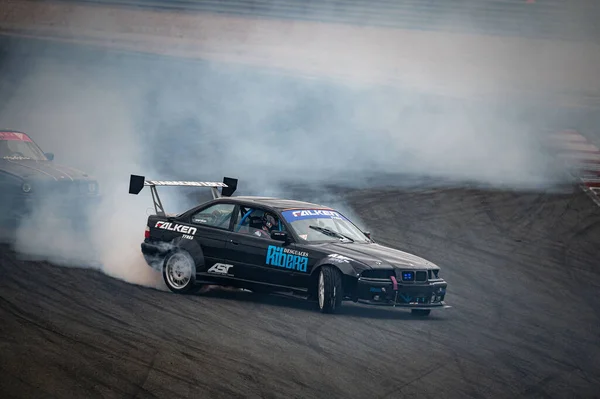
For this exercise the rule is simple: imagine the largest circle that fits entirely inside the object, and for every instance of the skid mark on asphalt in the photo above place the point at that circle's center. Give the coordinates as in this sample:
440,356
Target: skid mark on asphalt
145,378
476,385
398,389
312,339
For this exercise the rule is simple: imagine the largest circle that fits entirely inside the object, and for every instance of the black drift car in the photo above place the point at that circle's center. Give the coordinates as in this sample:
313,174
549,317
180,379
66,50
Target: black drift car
279,245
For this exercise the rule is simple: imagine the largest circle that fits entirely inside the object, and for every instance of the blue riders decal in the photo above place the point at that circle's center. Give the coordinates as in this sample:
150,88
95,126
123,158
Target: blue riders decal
287,258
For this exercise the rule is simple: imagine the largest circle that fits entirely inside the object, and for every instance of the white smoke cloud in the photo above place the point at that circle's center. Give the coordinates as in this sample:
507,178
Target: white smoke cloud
87,120
174,119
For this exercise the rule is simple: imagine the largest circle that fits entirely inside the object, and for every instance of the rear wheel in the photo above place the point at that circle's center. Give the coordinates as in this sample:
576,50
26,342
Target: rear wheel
179,272
329,289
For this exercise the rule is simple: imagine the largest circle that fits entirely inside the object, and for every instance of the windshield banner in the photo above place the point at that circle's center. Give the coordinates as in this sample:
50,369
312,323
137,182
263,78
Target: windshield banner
14,136
302,214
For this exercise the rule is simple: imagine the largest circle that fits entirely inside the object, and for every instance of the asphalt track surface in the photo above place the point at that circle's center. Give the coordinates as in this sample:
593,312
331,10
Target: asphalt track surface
523,281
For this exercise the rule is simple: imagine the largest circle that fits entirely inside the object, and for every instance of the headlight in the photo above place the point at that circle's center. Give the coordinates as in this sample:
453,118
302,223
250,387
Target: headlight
26,187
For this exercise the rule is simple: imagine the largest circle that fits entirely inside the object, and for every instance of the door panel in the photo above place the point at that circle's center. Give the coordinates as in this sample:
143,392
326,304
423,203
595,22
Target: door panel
259,258
212,233
251,251
213,243
270,261
303,261
249,246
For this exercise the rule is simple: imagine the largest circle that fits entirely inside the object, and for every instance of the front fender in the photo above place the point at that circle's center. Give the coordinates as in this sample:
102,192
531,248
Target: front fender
348,267
344,269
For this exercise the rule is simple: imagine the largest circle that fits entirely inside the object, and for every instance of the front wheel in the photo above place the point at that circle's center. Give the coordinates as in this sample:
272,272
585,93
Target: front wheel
179,272
329,289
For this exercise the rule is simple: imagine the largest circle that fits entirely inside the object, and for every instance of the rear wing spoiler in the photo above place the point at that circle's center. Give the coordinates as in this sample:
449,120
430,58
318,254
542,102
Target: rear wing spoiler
137,183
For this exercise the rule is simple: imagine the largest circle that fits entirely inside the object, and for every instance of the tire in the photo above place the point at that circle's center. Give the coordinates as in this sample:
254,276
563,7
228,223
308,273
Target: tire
329,289
420,312
179,272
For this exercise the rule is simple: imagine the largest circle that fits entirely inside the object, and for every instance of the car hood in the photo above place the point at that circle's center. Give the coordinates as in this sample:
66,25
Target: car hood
41,170
378,256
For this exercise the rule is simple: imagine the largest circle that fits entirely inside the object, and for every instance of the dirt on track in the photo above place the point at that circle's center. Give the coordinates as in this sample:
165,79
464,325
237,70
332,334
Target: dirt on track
522,272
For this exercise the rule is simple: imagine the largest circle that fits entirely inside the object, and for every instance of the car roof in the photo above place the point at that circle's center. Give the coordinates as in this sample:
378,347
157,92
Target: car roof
278,203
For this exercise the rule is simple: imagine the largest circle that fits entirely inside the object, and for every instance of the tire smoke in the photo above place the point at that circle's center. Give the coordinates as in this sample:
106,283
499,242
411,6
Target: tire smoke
113,115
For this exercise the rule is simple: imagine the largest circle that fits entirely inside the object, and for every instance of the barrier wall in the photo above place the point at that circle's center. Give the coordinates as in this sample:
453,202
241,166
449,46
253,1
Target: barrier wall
455,64
550,19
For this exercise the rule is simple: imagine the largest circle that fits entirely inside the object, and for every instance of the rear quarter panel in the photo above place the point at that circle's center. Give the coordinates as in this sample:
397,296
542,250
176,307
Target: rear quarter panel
174,240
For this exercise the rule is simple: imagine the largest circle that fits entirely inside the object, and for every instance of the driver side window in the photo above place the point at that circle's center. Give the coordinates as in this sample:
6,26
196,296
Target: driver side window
257,222
218,215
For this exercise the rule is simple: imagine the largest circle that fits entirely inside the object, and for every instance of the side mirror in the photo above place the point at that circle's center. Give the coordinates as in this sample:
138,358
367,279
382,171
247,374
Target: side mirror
367,234
49,155
280,236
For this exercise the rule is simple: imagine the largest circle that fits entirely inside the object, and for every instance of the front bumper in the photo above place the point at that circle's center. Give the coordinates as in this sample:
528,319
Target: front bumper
427,295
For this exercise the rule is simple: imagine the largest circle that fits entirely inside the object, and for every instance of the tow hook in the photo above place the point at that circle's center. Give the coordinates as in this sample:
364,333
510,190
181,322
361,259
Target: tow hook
395,288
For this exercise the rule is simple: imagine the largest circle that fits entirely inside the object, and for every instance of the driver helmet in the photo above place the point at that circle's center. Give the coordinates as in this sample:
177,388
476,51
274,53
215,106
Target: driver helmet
269,222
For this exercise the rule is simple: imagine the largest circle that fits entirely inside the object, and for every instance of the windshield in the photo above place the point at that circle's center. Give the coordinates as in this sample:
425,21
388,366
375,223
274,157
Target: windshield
15,145
323,225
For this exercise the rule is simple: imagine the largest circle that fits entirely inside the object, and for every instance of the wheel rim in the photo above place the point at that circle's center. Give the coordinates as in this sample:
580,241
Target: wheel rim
178,271
321,290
